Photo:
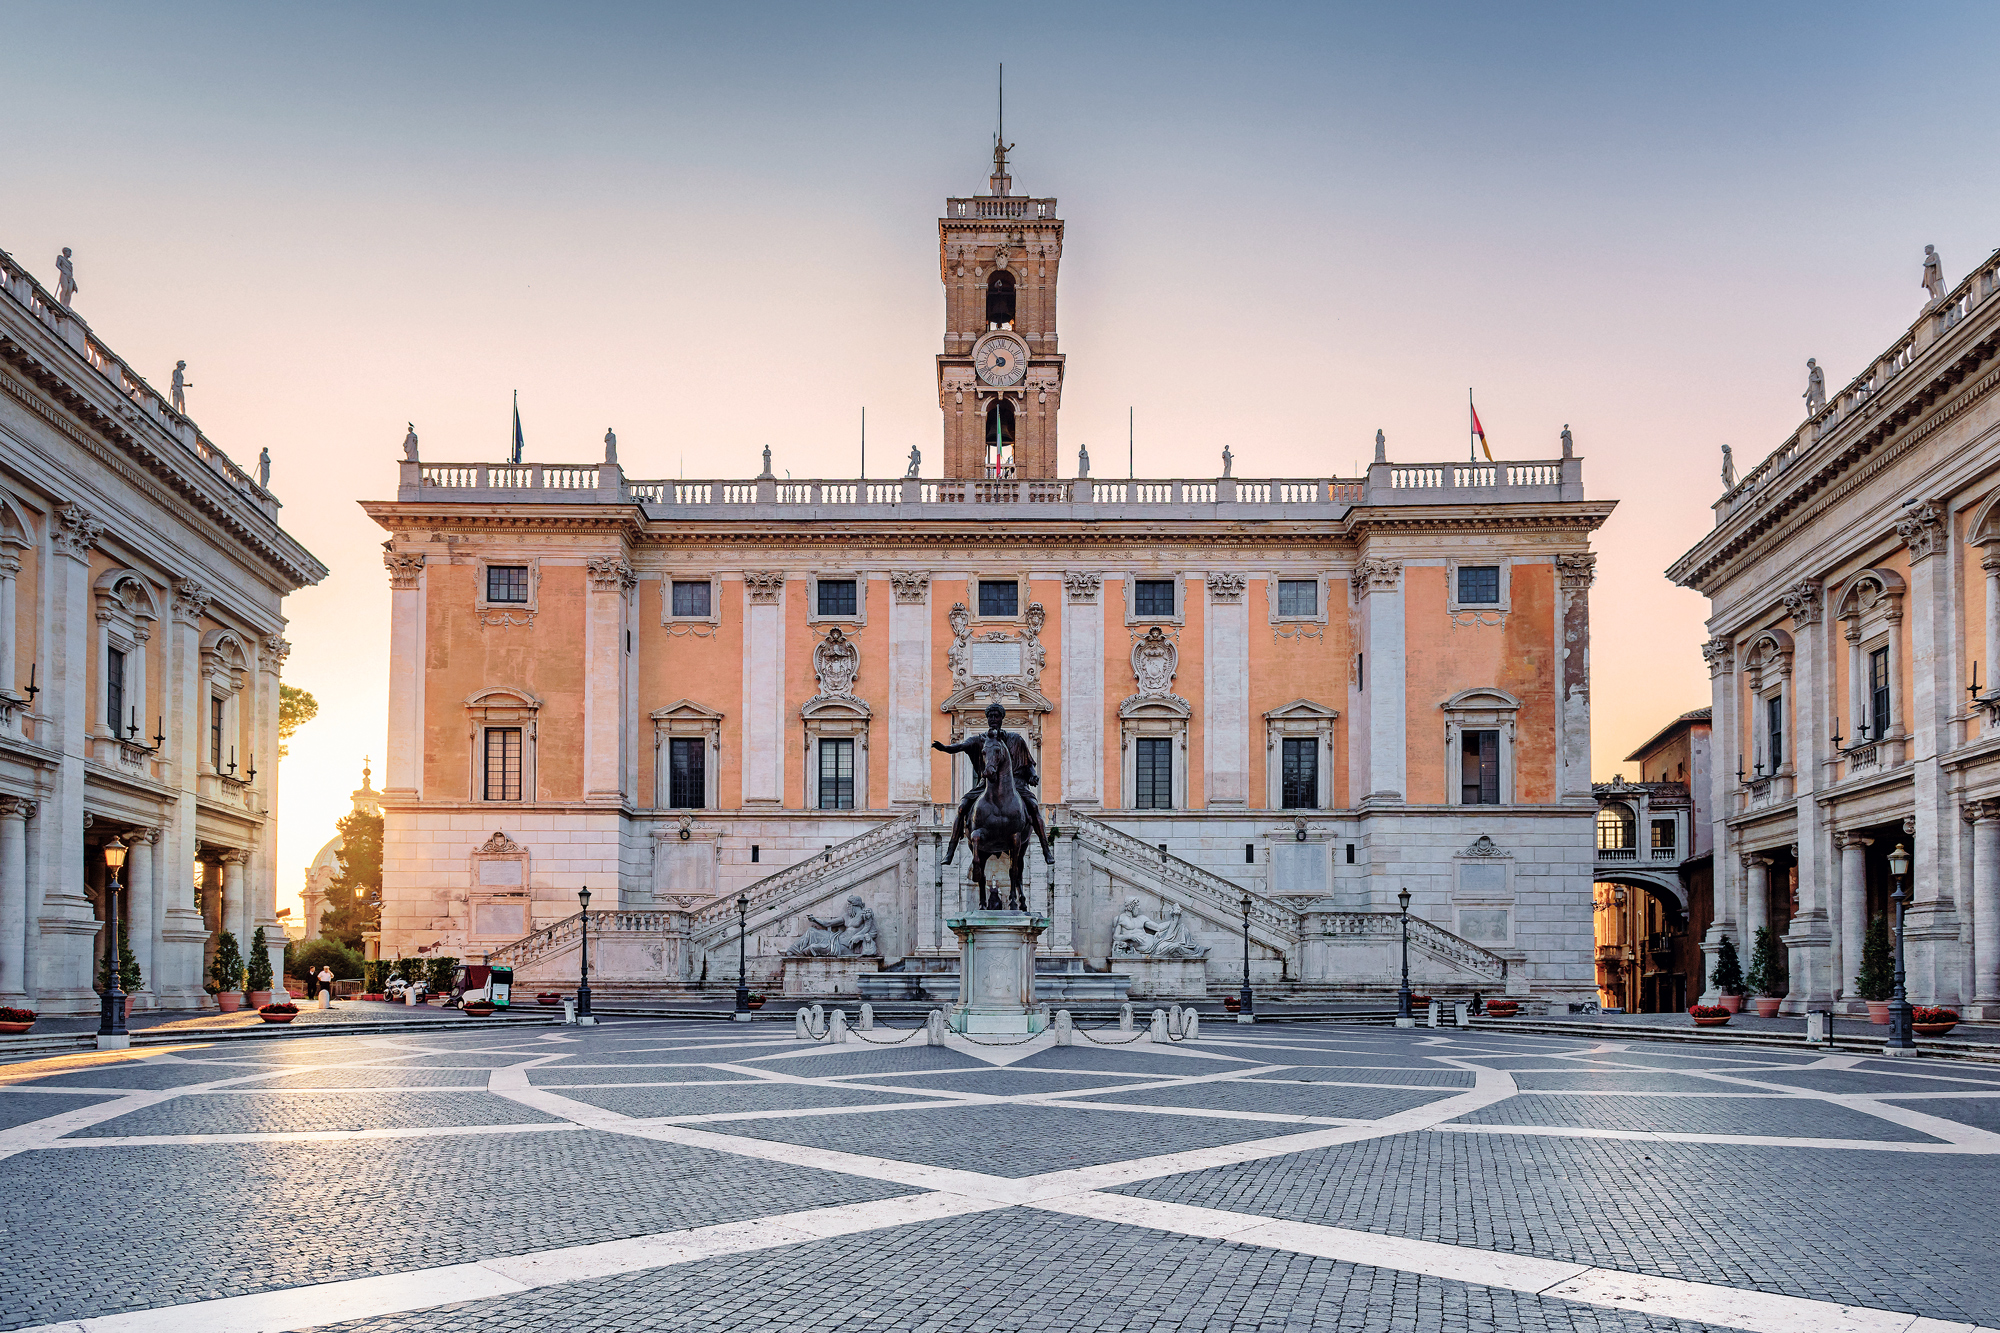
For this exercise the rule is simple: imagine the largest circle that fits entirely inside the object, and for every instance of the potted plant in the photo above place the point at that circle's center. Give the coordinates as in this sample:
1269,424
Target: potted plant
1876,978
1708,1015
756,1000
283,1012
129,979
1728,975
1233,1003
480,1008
16,1020
257,971
1503,1008
1933,1020
1766,981
226,971
548,997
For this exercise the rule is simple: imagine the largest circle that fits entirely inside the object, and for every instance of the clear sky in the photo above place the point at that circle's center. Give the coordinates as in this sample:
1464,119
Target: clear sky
714,227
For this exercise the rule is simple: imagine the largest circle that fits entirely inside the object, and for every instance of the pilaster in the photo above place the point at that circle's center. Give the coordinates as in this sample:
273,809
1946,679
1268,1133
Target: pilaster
763,689
67,926
1378,585
1931,926
1083,689
909,688
1574,573
1225,700
1725,746
1809,939
605,725
402,778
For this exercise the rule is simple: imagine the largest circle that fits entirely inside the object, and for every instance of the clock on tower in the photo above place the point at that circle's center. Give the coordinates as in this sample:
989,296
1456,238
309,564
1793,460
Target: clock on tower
1000,374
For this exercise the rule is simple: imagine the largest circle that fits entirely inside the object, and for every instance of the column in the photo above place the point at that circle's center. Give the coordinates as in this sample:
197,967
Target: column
263,882
1225,705
403,769
234,918
764,689
1726,741
142,925
1853,909
1756,903
180,959
1809,941
1575,574
14,901
65,932
1083,689
1934,954
611,584
910,708
1380,585
1985,909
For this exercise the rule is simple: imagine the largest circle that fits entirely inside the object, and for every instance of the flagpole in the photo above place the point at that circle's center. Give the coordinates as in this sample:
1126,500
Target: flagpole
864,444
1471,436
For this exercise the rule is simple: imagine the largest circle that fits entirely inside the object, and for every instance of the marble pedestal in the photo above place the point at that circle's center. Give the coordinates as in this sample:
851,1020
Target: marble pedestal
1167,978
997,967
827,976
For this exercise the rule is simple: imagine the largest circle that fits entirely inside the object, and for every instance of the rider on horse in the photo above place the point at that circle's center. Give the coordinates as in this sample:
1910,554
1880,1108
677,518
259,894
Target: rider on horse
1026,778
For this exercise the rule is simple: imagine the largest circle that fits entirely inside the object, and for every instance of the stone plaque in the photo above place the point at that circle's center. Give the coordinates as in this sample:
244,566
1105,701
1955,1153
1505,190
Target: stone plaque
500,872
996,659
499,920
1483,925
1485,878
1299,867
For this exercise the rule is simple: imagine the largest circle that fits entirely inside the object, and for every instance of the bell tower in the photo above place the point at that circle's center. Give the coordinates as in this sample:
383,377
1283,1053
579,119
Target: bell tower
1000,374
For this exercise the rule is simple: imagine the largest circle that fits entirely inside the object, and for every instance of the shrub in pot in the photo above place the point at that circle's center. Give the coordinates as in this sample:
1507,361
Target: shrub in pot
1766,981
756,1000
283,1012
1503,1008
225,971
16,1020
1728,975
1876,978
257,971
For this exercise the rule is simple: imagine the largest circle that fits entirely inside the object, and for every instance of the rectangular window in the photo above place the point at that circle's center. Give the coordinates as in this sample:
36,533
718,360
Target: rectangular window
691,597
1479,767
1878,694
1154,775
836,775
1478,585
114,690
687,773
1774,731
999,597
1663,835
836,597
1301,773
216,704
503,763
1298,597
1152,597
506,583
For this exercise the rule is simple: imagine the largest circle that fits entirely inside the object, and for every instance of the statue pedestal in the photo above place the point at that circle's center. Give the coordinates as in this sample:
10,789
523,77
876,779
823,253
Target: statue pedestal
1166,978
827,976
997,967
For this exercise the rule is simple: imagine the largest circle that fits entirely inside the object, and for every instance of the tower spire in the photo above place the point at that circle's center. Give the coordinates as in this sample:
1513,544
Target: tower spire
1000,182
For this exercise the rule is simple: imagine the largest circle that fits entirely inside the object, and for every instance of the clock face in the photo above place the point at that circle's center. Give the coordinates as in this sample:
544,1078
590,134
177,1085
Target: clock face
1000,361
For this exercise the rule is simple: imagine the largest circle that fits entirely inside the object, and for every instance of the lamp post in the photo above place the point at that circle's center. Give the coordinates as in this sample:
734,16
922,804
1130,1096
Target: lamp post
1404,1018
111,1013
1900,1042
742,1014
1246,1003
583,1014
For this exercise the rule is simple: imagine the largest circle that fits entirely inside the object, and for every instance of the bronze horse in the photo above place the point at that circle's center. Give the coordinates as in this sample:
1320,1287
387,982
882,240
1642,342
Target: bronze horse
1000,826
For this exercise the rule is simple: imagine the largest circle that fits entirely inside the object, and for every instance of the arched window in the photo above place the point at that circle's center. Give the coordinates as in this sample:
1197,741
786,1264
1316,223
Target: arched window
1617,830
1000,440
1000,299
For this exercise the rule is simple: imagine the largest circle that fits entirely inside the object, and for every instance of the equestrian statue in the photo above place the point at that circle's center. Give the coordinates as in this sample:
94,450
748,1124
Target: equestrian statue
1000,811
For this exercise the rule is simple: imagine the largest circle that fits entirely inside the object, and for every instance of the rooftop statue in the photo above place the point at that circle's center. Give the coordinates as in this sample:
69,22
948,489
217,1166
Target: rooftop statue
1083,460
916,461
610,447
1728,468
65,276
410,444
180,387
1815,394
1228,461
1381,447
767,463
264,469
1933,274
1569,445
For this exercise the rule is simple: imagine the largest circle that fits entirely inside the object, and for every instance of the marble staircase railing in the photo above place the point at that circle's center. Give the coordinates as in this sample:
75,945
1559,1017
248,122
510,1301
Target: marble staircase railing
1433,939
566,933
776,894
1272,924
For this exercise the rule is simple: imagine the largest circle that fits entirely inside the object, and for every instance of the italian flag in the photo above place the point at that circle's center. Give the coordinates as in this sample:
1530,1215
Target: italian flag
1479,431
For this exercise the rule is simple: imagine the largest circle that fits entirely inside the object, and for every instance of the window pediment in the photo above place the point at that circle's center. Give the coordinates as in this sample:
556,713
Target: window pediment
1482,699
1302,710
1873,591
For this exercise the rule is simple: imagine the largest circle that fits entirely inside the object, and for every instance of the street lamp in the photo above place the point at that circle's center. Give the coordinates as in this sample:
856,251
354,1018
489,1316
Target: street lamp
111,1013
1900,1039
1246,1003
742,1014
1404,1018
583,983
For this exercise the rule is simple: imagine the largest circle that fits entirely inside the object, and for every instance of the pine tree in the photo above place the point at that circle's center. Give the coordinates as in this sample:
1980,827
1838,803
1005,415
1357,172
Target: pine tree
1876,980
1728,976
225,972
1767,966
128,967
353,897
257,968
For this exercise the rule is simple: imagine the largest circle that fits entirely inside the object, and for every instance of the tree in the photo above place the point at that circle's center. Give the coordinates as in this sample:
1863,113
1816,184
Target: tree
257,970
1876,979
309,956
1728,976
128,967
295,709
354,896
225,972
1767,968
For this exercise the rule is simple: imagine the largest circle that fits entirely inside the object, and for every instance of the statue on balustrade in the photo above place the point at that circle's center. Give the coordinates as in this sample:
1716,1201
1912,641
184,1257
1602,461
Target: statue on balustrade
410,444
1083,460
264,469
180,387
1728,468
65,276
1933,274
851,935
1815,394
1228,462
610,447
916,462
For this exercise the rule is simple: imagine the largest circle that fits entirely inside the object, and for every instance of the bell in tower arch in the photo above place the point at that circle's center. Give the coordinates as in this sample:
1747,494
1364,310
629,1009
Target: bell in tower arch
1000,300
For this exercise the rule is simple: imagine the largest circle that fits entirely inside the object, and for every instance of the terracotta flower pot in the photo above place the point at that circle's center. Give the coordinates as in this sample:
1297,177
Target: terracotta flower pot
755,1002
1933,1029
1878,1011
259,998
481,1010
277,1018
1711,1022
548,997
1233,1003
228,1001
1733,1003
15,1027
1502,1009
1767,1005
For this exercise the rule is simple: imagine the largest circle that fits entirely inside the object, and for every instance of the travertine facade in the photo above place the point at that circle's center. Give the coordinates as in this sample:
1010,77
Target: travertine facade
1854,583
669,691
142,576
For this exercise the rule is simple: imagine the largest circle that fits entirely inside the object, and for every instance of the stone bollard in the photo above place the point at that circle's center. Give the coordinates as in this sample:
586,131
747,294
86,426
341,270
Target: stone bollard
836,1026
1435,1012
801,1025
1462,1014
1193,1028
1124,1018
1158,1030
934,1028
1062,1027
867,1023
326,999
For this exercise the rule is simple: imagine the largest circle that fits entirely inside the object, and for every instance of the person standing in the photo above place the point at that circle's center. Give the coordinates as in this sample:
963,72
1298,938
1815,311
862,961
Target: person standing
325,979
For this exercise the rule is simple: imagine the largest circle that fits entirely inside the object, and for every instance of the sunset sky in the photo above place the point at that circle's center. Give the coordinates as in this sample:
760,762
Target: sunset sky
714,228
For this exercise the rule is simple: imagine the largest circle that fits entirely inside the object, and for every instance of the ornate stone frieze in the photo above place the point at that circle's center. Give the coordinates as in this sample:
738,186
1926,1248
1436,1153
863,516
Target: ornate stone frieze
836,665
1373,575
997,656
1082,587
403,567
75,532
1803,602
190,601
610,573
1484,846
910,586
764,585
1922,530
1155,661
1716,652
499,844
1227,587
1576,571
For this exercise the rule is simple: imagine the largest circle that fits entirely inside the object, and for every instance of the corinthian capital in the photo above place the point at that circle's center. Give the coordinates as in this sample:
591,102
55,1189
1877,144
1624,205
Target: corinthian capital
1373,575
403,567
1576,572
75,532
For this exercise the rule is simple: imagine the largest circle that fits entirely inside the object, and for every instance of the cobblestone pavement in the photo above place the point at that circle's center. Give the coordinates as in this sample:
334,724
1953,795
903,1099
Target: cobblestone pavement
683,1175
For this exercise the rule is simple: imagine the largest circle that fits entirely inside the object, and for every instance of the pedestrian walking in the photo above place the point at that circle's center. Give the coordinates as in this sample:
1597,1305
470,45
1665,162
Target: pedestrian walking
325,979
